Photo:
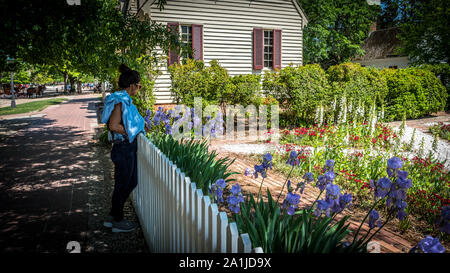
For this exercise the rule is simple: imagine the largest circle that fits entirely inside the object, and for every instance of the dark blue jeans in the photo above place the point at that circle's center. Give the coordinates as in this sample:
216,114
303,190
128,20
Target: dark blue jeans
123,155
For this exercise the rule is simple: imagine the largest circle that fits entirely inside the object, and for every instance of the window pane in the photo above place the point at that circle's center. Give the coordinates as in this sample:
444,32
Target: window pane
268,47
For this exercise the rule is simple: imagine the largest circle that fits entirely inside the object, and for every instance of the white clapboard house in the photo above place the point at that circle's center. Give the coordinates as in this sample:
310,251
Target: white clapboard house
245,36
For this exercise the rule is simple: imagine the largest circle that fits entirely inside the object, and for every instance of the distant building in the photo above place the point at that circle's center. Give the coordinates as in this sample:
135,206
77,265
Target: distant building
381,50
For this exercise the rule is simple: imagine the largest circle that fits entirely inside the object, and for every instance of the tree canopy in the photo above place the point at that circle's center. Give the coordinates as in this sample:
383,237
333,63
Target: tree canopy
92,38
424,30
336,29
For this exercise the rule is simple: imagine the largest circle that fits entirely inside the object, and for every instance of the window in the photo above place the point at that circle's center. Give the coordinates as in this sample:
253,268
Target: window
186,41
191,40
268,48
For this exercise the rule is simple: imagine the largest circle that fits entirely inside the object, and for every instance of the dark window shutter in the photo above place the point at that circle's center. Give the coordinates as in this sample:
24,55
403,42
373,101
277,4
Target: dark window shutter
258,48
197,42
277,49
173,54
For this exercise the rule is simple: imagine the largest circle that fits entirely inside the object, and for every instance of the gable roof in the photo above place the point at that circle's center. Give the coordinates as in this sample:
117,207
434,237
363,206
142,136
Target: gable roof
381,44
301,12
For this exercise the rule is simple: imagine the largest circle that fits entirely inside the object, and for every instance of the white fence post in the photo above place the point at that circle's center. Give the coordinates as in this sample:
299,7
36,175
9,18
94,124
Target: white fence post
199,217
258,250
232,238
244,244
222,223
188,211
206,235
213,227
192,219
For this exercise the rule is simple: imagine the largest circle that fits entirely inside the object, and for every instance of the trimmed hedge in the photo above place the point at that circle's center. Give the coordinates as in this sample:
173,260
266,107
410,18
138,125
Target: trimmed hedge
413,91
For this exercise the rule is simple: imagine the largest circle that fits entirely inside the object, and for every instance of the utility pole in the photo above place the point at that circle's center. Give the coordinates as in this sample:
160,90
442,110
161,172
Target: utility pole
13,100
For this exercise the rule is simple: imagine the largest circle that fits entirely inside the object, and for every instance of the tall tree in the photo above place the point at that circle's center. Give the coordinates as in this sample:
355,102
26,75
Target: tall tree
425,30
390,14
336,29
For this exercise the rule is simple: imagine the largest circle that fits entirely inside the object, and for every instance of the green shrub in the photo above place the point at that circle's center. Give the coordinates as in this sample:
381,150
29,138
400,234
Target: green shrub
242,89
193,79
213,84
299,90
442,71
414,92
145,99
360,85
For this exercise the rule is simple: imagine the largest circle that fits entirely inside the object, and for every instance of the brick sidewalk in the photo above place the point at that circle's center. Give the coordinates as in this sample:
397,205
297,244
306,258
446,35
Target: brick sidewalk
45,164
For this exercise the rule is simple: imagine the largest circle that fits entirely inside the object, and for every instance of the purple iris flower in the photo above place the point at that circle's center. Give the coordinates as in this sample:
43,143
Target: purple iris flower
260,169
401,214
248,172
383,185
322,206
345,200
221,183
168,130
293,159
373,217
309,177
333,191
329,164
404,183
431,245
235,199
330,176
235,189
291,202
395,163
267,161
321,182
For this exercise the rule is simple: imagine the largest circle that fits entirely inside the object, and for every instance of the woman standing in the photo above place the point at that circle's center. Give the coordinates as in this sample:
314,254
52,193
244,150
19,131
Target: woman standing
124,124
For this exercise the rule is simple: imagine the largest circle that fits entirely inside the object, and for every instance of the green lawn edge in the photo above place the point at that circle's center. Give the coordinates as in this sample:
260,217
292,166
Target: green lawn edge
30,106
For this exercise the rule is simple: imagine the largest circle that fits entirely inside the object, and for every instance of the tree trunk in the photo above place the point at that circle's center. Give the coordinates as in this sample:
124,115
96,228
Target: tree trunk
65,81
72,84
79,87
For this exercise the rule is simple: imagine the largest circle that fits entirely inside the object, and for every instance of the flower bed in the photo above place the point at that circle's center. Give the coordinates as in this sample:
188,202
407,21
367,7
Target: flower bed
441,129
282,227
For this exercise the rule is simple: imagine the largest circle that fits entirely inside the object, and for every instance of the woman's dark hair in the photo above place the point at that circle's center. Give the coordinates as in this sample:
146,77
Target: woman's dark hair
128,76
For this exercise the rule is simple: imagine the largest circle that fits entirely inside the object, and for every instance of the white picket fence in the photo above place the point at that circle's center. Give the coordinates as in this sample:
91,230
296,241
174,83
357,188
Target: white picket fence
175,216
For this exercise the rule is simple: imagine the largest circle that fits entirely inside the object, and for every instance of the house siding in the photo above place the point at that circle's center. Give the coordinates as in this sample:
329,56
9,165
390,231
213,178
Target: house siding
228,33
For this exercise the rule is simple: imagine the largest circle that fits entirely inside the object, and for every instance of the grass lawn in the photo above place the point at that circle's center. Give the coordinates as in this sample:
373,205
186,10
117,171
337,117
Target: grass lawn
30,106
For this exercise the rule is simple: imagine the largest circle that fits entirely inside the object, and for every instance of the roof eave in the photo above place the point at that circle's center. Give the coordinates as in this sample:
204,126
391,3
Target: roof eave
301,12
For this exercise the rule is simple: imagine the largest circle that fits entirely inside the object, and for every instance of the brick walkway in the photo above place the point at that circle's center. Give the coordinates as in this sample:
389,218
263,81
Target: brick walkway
424,123
45,163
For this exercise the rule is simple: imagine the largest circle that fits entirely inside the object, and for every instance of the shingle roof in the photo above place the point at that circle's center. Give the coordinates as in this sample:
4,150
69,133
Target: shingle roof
381,44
